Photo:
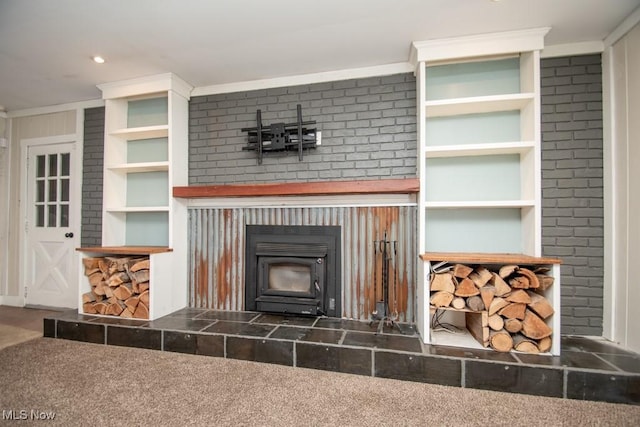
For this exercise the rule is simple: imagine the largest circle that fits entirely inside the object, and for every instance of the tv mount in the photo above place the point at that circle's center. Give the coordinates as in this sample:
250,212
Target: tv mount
281,136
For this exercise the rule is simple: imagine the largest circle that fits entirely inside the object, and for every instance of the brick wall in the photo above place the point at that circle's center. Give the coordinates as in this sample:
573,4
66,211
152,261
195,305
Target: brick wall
572,211
92,165
368,132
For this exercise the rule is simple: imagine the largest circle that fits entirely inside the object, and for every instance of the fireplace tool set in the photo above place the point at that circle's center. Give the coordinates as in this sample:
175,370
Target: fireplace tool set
386,253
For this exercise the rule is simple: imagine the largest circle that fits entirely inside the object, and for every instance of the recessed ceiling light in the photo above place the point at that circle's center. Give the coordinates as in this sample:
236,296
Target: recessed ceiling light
98,59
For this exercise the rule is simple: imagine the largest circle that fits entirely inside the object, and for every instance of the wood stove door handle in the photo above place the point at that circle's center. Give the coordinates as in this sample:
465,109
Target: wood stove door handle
316,285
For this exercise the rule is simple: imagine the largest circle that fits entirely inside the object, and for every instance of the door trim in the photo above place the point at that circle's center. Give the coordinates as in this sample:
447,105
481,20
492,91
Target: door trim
25,144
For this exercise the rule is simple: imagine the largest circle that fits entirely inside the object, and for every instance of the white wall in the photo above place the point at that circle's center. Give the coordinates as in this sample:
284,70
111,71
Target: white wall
621,62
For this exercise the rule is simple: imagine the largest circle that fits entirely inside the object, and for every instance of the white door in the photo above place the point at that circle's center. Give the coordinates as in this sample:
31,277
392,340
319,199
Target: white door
51,271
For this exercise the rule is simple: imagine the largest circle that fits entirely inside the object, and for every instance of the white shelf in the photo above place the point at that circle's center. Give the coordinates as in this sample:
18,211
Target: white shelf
145,132
140,167
137,209
519,147
478,104
480,204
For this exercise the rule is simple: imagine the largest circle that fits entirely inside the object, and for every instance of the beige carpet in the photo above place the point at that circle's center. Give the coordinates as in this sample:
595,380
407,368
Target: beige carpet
12,335
89,384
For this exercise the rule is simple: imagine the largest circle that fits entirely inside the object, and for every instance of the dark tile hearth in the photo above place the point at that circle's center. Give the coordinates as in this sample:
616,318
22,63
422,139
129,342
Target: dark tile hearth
588,368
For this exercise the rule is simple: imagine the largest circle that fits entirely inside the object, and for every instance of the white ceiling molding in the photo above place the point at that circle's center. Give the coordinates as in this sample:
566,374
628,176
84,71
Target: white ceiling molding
479,45
150,84
572,49
622,29
81,105
327,76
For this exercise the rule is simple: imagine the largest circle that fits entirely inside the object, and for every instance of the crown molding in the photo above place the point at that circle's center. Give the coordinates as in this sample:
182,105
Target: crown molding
478,45
149,84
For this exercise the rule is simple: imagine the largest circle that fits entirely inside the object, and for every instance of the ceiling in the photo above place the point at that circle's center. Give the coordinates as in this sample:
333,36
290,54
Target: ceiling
46,46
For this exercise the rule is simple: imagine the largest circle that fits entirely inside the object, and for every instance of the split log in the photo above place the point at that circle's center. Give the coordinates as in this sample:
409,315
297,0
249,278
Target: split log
123,291
487,293
545,281
466,288
144,298
118,278
108,291
513,325
141,265
462,271
524,344
114,309
502,288
142,311
480,276
89,308
126,313
519,282
507,270
438,299
99,289
500,341
534,283
478,326
458,303
496,322
90,263
475,303
131,303
89,297
96,278
540,305
544,344
100,307
514,310
141,276
143,286
534,327
520,296
443,282
497,304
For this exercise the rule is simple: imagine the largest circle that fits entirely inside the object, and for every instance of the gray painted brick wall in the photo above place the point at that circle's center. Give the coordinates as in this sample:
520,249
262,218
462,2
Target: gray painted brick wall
368,132
572,198
92,164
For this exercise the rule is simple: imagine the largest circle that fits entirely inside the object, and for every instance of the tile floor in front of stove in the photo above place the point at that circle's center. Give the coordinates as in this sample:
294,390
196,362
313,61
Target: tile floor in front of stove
587,368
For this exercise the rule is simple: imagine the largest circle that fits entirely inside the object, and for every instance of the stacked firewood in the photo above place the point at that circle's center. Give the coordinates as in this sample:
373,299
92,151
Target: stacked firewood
119,286
505,309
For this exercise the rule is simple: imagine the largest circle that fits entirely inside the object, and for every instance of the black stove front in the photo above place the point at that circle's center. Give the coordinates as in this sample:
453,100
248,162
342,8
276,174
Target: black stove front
293,269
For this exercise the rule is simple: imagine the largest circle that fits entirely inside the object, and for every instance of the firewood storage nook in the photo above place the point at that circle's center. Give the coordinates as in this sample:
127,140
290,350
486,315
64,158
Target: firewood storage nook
504,301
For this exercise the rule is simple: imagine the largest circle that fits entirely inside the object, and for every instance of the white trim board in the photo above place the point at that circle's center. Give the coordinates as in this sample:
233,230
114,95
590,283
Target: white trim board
327,76
304,201
56,108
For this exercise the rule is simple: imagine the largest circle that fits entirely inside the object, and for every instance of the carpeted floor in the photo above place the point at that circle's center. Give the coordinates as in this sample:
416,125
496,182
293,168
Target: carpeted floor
89,384
12,335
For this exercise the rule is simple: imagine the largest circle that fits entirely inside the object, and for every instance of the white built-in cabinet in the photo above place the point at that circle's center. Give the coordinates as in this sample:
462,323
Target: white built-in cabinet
145,156
479,160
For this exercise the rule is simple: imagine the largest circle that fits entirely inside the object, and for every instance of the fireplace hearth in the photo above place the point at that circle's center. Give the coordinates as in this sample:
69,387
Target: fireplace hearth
293,269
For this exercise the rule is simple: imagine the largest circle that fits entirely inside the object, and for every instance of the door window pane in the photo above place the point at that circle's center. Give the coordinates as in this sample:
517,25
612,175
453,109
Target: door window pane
64,190
40,191
40,216
53,190
65,164
53,164
40,168
64,215
52,216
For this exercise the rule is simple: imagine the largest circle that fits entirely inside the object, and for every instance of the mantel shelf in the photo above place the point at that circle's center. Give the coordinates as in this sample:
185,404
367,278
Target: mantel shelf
126,250
487,258
324,188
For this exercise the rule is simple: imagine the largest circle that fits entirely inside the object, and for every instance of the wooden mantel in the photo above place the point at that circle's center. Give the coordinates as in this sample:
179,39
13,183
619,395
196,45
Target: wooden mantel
323,188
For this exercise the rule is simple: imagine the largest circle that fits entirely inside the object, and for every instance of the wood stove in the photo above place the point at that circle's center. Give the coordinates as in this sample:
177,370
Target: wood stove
293,269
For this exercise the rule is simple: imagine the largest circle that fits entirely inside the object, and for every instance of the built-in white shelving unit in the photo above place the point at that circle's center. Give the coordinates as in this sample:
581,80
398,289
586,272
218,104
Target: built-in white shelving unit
145,156
478,148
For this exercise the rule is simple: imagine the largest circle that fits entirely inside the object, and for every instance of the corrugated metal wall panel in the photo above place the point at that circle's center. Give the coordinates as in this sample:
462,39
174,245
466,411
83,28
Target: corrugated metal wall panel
217,252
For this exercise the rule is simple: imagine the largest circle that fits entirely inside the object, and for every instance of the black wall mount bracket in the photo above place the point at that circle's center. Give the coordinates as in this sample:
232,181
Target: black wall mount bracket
296,136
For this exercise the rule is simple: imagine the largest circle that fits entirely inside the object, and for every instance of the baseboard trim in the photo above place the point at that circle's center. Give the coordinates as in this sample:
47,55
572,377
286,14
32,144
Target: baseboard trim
15,301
